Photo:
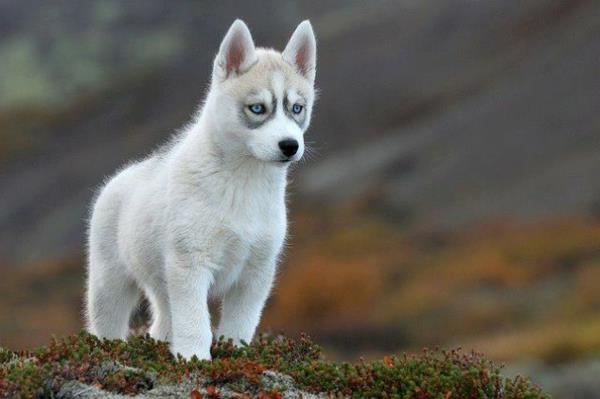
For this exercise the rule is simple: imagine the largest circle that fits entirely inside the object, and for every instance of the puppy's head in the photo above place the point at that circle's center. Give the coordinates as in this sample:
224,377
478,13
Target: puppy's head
262,99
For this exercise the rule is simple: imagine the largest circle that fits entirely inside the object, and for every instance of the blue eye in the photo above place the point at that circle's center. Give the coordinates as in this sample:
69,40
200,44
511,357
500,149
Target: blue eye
297,108
257,109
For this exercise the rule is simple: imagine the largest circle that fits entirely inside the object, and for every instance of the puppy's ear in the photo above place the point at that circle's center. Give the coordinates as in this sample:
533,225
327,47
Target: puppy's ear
301,50
237,53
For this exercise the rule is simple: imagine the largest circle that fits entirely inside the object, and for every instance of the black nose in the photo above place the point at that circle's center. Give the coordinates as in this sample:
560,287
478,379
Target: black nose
288,147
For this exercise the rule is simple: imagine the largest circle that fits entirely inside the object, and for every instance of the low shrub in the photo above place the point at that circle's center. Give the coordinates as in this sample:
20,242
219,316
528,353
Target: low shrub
142,364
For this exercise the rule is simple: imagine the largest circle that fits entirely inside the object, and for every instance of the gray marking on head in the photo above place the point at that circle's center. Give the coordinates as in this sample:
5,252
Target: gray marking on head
255,124
302,120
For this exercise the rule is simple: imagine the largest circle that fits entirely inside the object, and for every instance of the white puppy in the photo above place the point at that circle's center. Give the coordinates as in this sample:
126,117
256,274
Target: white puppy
205,216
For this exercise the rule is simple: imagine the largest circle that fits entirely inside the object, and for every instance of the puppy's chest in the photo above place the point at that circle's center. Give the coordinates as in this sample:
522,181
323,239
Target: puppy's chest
254,231
243,223
242,248
254,214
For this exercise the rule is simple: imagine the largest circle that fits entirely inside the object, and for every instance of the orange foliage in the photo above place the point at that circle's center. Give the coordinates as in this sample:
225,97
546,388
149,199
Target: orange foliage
488,280
40,300
311,292
491,287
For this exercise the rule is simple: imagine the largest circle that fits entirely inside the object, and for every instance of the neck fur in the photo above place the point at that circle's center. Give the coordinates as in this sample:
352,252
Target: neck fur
199,154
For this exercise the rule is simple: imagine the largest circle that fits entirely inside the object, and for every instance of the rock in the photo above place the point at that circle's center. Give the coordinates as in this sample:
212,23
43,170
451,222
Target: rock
270,380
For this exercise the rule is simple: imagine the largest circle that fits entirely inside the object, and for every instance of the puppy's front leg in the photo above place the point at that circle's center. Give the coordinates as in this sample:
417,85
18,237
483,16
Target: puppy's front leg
243,304
188,279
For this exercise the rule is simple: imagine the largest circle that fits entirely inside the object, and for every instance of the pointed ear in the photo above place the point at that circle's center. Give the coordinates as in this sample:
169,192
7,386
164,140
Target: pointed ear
237,52
301,50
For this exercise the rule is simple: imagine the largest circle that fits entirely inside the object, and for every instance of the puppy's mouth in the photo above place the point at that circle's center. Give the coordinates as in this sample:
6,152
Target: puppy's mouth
291,159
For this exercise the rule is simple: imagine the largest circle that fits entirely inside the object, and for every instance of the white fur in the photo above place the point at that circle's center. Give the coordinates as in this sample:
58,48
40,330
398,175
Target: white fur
205,216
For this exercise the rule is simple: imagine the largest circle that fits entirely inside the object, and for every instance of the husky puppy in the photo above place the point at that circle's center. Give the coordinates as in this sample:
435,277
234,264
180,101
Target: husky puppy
205,216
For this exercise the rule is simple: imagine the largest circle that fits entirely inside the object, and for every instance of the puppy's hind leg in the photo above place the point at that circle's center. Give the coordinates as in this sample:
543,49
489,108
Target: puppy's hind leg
161,314
111,297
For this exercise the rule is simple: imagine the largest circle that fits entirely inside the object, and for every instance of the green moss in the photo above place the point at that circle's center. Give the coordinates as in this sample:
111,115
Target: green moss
107,11
23,79
142,363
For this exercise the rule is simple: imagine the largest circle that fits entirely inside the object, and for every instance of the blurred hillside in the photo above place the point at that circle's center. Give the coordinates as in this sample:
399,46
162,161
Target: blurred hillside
451,111
522,293
453,197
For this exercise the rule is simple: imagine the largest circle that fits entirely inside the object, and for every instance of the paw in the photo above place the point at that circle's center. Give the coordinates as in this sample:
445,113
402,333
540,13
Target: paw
190,346
234,340
238,338
159,332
